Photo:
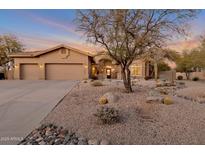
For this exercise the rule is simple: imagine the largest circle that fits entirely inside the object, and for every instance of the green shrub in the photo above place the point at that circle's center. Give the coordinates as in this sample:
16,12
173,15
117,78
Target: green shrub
180,77
96,83
107,115
195,79
168,100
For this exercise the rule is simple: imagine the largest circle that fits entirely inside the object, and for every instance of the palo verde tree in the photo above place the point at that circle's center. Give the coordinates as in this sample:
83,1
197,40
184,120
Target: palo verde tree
127,34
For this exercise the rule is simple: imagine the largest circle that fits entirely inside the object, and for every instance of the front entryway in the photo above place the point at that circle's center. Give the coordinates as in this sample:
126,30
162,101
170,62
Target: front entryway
108,73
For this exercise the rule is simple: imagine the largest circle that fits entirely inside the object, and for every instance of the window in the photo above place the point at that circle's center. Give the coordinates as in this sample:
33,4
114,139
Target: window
136,70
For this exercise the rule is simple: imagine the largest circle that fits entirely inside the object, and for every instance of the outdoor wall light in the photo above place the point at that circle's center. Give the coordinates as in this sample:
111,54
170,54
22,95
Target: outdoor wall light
86,66
16,66
41,65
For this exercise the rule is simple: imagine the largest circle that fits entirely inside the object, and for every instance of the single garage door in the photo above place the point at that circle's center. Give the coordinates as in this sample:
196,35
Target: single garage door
64,72
29,72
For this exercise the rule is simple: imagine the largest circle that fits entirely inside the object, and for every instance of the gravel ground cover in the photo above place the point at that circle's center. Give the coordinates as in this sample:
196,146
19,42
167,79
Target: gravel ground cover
196,93
141,123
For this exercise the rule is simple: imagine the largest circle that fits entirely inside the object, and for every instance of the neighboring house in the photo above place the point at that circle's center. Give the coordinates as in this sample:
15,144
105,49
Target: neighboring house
66,63
200,74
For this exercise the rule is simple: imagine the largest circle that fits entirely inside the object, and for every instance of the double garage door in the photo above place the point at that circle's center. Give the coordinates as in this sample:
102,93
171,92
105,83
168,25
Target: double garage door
52,72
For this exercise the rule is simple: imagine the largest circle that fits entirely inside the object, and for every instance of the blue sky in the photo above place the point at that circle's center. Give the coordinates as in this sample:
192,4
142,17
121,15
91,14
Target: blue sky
40,29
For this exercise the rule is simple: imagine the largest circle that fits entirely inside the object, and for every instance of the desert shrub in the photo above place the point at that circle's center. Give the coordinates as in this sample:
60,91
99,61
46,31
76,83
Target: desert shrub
107,115
180,77
168,100
103,100
182,83
195,79
96,83
94,77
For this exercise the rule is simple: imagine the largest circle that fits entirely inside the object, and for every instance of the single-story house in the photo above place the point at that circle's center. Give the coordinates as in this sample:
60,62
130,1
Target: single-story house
66,63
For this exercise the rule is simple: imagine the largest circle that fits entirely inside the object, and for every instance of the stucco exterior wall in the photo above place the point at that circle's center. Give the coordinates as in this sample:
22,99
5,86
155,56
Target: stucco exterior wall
56,56
140,63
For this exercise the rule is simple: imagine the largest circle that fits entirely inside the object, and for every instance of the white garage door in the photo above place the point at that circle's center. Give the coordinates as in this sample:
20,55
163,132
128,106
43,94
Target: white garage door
64,72
29,72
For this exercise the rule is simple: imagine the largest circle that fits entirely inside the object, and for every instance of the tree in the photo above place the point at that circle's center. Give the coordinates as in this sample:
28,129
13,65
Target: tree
185,64
189,61
127,34
9,44
157,56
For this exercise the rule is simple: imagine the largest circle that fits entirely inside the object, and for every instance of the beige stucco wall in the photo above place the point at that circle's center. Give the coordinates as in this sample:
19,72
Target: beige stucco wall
52,57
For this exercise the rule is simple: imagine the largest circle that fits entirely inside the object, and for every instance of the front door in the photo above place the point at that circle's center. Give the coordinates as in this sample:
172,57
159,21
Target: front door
108,73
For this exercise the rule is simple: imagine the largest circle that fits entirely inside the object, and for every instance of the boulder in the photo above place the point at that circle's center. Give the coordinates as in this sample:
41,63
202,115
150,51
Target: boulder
111,97
93,142
42,143
152,99
82,141
168,100
104,142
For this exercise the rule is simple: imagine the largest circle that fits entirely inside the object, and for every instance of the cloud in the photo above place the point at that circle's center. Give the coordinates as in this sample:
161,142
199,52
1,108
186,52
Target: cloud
68,27
179,46
35,43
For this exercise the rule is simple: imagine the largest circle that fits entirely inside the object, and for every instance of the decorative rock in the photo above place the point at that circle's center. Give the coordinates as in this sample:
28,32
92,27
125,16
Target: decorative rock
39,139
58,141
75,140
158,84
72,143
42,143
154,99
93,142
67,137
48,133
168,100
104,142
64,132
82,141
103,100
52,135
163,91
111,97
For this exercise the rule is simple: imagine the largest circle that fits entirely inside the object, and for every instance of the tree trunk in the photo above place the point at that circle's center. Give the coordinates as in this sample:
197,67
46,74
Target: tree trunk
155,71
187,75
125,72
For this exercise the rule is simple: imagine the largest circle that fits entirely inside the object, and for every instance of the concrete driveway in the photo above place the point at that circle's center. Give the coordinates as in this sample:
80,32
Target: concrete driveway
23,104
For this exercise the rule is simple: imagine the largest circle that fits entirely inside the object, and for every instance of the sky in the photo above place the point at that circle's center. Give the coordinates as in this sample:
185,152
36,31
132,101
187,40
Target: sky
41,29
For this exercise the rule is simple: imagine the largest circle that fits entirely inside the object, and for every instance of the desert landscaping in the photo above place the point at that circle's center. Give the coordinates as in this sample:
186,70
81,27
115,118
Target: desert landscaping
144,116
130,81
